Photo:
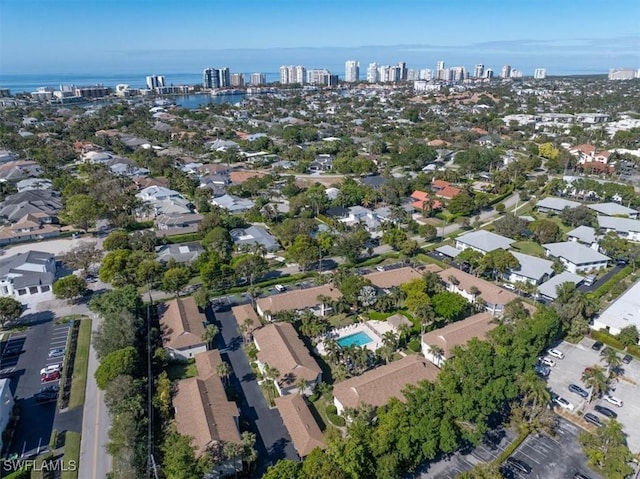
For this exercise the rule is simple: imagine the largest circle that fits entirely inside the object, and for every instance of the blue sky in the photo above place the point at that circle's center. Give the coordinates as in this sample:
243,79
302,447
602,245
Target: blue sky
81,36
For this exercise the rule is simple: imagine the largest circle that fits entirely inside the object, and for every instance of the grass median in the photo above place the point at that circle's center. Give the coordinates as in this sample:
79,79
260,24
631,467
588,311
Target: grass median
71,453
81,363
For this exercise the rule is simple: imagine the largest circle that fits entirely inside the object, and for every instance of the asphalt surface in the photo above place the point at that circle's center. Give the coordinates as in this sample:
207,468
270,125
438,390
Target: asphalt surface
36,421
272,441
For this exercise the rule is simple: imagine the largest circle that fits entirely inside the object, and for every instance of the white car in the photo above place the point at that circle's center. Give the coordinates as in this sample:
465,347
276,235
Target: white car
280,288
613,400
50,369
555,353
563,403
547,362
509,286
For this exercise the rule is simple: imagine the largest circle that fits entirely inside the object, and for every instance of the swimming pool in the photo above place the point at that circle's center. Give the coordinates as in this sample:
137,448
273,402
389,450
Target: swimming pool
358,339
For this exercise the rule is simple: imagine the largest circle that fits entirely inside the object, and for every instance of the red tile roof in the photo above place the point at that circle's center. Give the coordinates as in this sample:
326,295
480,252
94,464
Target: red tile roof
449,192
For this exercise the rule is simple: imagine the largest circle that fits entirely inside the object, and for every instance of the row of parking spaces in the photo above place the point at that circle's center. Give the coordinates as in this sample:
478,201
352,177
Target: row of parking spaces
569,371
557,457
11,354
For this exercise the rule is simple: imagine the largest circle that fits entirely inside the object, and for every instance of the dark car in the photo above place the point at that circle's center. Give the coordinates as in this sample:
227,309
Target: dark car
597,346
605,411
627,358
518,465
592,419
579,475
574,388
542,370
12,350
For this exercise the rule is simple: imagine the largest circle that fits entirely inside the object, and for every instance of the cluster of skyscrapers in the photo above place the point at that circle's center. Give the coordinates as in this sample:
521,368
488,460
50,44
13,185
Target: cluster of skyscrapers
223,78
297,74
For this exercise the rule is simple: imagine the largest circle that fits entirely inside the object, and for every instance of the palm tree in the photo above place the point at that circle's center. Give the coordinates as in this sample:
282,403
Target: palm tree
340,372
271,373
209,334
302,384
453,280
223,370
437,352
596,379
534,390
474,291
611,359
332,350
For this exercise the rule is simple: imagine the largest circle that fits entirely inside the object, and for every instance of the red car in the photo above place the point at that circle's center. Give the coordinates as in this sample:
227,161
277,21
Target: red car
52,376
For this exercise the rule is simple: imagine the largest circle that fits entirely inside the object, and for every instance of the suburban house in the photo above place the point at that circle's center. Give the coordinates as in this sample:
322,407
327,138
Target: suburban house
158,193
303,428
280,348
233,204
254,236
614,209
589,154
31,227
548,289
377,386
182,326
531,270
585,235
34,184
444,189
495,297
27,275
397,276
437,346
625,227
203,412
177,224
423,201
375,181
18,170
18,205
576,257
623,312
298,300
360,215
483,241
6,407
180,253
555,205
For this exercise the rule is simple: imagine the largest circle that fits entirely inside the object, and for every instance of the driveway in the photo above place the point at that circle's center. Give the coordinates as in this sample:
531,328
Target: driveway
273,441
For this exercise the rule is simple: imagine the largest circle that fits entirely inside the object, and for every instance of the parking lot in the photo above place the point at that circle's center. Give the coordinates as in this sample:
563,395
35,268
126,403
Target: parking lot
36,420
558,457
569,370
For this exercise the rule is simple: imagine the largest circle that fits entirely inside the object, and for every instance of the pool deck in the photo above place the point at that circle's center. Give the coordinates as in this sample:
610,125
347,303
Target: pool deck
374,329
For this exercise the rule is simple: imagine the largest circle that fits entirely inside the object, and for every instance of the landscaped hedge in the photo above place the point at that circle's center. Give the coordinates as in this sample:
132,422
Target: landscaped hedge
611,283
414,345
511,448
634,350
184,238
606,338
332,415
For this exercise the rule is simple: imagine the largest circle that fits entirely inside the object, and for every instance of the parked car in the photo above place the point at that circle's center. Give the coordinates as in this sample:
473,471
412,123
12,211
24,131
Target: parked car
12,350
542,370
555,353
7,372
518,465
574,388
605,411
547,362
56,353
280,288
597,346
592,419
579,475
627,358
509,286
563,403
52,376
50,369
613,400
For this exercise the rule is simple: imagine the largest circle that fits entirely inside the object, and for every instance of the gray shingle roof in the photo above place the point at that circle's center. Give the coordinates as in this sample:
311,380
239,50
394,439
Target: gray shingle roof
557,204
585,234
548,289
255,235
21,276
611,209
448,250
532,267
485,240
575,253
619,224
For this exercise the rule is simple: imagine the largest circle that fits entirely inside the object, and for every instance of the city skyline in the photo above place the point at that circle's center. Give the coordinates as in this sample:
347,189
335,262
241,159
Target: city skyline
170,38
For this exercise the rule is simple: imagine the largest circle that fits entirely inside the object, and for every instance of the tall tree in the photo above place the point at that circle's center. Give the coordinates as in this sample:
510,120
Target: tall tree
174,280
10,309
83,256
81,211
70,287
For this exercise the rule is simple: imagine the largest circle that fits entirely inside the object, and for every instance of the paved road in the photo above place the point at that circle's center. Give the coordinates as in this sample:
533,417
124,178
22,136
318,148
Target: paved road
95,463
273,441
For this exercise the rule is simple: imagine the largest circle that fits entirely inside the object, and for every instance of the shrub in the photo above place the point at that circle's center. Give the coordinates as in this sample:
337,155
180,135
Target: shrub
606,338
332,415
634,350
414,345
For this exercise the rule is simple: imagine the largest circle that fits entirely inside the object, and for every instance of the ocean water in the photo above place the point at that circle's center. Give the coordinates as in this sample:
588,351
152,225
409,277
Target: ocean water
31,82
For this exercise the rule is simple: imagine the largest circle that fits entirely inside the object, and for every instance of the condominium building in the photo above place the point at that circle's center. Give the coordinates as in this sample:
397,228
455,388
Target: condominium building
237,79
505,72
515,73
622,74
426,74
224,77
489,73
292,74
478,71
258,79
373,75
540,73
210,78
318,76
155,81
351,71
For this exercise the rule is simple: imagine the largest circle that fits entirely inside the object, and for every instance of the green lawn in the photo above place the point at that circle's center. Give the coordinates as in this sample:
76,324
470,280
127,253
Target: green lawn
79,379
529,247
181,370
71,453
